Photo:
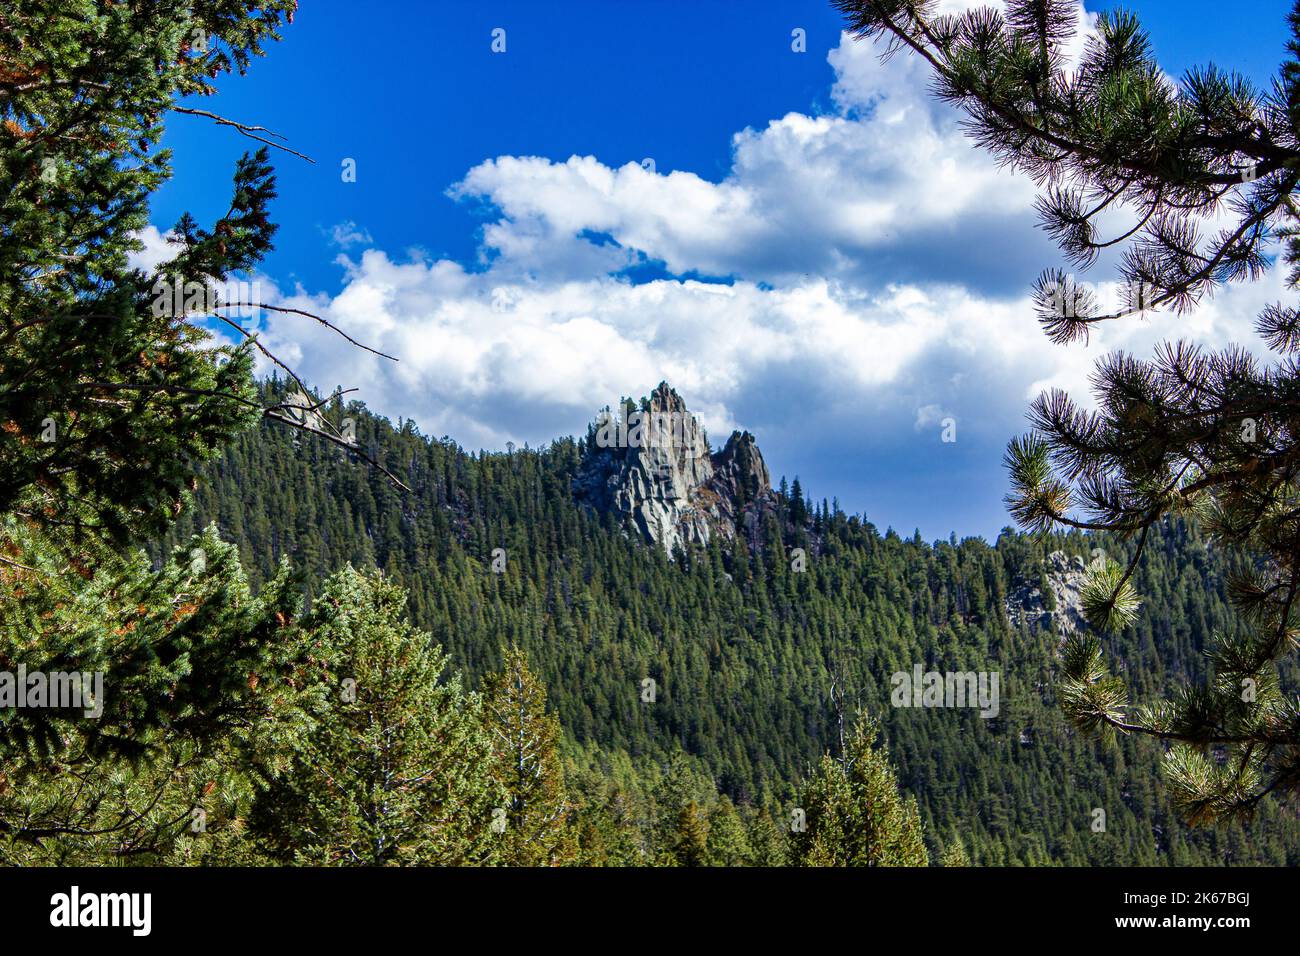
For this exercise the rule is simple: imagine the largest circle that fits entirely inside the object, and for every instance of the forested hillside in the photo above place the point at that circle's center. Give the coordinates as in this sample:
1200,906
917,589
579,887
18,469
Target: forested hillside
752,660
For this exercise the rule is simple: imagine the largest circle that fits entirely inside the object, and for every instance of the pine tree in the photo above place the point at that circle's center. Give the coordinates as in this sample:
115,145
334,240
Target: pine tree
1207,170
728,842
526,764
798,506
204,693
113,395
767,842
954,854
690,836
397,769
853,812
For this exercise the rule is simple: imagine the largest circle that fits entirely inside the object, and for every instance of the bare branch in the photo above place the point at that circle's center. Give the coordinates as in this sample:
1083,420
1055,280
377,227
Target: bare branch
310,315
244,129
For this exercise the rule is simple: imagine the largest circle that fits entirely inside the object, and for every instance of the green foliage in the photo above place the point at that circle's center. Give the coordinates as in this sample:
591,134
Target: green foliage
204,692
1090,696
112,396
727,843
108,402
690,837
527,766
236,730
741,647
855,815
1108,599
1208,170
396,769
954,854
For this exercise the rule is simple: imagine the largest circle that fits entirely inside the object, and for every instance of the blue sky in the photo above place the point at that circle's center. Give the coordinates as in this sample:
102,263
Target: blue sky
812,250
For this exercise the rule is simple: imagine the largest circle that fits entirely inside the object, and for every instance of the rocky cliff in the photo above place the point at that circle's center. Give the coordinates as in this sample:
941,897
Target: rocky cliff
650,463
1065,577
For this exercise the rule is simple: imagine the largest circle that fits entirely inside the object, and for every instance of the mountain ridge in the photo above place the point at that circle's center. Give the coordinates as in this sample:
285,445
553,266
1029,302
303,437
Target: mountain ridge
747,640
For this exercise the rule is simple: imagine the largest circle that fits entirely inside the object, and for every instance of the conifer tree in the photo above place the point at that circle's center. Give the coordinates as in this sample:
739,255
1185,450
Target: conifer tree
854,814
954,854
112,395
728,842
203,696
690,836
1206,171
767,842
526,764
398,767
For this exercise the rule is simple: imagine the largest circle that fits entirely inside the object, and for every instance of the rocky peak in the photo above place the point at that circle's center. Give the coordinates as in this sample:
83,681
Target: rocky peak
740,467
650,463
664,398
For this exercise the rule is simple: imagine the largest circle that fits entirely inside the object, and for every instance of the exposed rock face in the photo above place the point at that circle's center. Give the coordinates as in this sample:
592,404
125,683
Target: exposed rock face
1065,577
304,410
653,467
740,470
740,490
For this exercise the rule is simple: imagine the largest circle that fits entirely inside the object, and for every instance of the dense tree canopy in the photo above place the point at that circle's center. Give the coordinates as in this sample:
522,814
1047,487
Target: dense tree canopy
113,392
1207,170
745,651
108,406
309,656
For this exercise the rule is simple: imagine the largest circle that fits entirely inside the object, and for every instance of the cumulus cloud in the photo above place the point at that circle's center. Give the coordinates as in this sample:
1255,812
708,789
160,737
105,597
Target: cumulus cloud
884,187
487,361
878,268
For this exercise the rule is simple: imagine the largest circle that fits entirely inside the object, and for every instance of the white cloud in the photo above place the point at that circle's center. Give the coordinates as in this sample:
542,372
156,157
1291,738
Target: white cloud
885,180
883,186
928,416
154,251
347,234
486,361
881,266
